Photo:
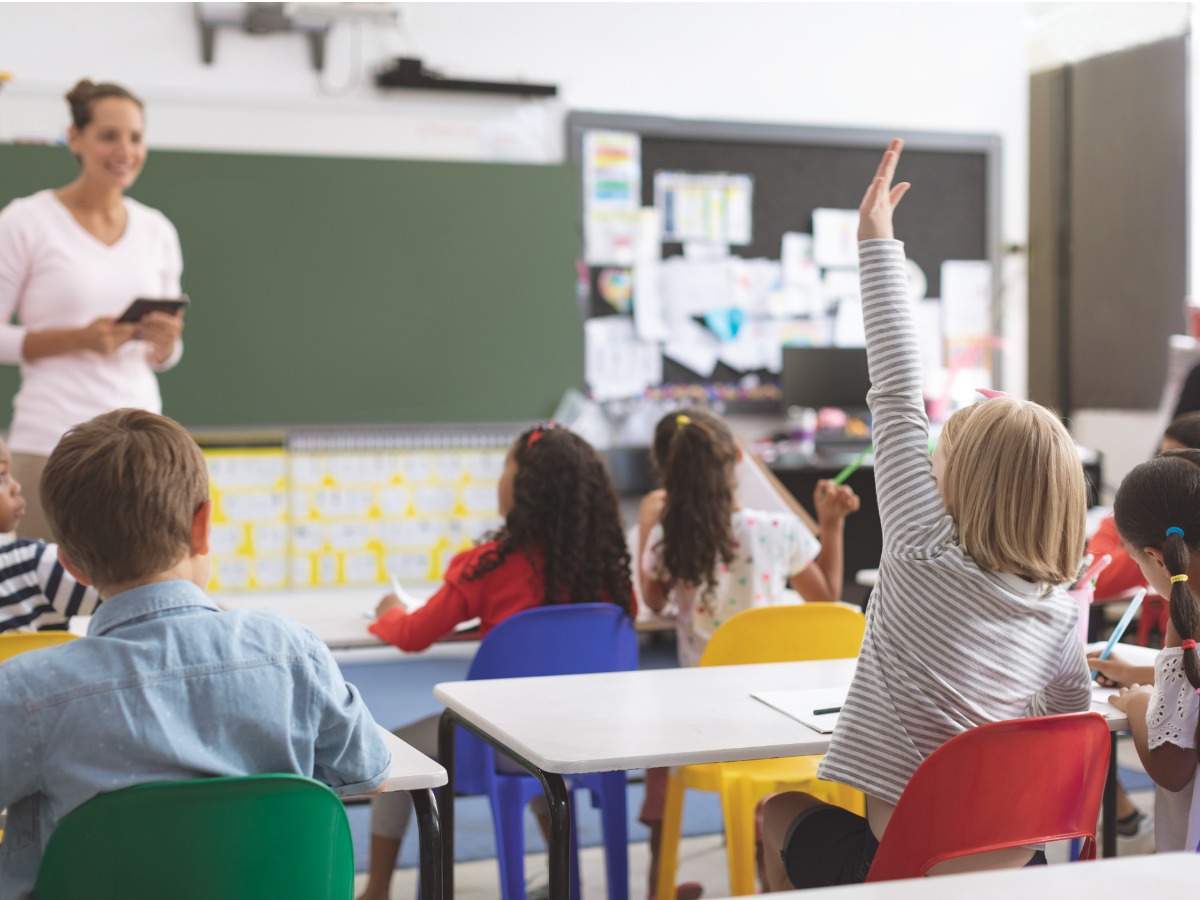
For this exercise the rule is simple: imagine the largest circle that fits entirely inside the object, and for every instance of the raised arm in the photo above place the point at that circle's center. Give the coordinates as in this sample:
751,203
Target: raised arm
911,509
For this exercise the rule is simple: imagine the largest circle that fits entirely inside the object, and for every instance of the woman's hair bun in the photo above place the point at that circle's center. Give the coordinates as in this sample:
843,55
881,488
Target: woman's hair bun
81,97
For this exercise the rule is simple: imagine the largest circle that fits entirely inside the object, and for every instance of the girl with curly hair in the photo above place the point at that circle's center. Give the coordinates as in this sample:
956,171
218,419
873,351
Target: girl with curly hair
561,542
700,548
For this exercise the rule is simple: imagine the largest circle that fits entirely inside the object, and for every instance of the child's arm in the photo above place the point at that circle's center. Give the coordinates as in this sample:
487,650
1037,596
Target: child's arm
821,580
654,592
349,753
414,631
911,509
1116,672
1071,689
1171,766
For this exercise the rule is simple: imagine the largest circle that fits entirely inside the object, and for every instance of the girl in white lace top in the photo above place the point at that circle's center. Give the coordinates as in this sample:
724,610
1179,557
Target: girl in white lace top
1157,511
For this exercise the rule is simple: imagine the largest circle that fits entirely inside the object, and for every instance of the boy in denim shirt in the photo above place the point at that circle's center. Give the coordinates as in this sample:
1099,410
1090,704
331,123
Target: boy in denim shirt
165,686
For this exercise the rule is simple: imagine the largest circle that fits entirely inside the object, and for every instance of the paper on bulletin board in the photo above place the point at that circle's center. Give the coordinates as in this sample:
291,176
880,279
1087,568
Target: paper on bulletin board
612,170
758,345
610,237
753,282
617,364
848,328
694,346
612,180
705,207
966,298
648,315
835,237
928,320
693,287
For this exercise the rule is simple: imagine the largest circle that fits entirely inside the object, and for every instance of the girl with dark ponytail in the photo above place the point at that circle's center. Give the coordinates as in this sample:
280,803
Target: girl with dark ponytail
1157,511
702,550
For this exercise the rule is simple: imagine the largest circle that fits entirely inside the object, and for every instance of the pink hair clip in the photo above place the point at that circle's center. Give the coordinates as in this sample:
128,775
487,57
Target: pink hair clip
989,394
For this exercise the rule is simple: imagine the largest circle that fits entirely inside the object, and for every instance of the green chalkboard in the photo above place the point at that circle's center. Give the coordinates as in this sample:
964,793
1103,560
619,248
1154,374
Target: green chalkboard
336,291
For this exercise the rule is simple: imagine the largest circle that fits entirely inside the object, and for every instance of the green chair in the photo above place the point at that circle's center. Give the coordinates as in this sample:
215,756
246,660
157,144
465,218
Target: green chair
255,836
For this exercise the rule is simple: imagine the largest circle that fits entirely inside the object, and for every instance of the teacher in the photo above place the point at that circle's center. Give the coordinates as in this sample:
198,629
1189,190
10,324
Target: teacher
71,261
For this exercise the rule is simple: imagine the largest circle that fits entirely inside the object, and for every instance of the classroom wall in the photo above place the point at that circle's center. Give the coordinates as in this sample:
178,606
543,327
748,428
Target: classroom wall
928,66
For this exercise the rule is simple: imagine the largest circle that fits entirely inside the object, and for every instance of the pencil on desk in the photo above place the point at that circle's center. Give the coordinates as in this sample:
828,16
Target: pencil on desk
841,476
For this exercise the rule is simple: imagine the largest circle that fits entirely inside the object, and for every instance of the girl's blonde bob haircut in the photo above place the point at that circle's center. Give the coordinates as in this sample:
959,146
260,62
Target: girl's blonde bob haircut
1015,487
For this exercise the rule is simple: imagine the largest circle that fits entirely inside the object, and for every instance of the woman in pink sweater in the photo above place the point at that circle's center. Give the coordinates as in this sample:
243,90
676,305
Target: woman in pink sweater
71,260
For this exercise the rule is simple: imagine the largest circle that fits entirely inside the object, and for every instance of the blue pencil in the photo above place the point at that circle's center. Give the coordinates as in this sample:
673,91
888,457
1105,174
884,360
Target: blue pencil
1134,605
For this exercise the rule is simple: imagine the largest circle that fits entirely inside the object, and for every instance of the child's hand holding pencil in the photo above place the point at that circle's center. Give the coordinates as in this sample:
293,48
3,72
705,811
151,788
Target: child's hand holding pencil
834,501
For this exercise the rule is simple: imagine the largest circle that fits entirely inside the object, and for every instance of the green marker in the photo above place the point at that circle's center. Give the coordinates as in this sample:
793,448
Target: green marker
853,467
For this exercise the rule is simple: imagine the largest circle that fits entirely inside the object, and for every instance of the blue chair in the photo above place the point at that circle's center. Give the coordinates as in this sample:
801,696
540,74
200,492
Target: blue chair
569,639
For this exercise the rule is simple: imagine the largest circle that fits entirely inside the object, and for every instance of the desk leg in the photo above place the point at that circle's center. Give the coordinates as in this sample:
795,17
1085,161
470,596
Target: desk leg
446,804
1108,817
553,786
431,843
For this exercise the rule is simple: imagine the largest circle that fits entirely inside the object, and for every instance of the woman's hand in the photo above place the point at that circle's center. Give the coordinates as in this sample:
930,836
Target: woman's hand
881,199
105,335
834,501
1129,695
160,330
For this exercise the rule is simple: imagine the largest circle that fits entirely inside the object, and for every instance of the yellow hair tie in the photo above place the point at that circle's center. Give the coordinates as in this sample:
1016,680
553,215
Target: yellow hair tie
1175,579
683,420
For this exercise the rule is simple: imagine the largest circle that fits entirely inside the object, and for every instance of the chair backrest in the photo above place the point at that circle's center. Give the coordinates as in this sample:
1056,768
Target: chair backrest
567,639
20,641
1005,784
247,837
786,634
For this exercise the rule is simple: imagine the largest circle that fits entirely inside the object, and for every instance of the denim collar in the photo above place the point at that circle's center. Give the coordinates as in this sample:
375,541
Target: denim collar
148,601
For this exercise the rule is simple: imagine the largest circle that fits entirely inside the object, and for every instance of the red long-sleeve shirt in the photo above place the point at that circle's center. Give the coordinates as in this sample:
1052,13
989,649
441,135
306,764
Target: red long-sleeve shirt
1123,572
515,586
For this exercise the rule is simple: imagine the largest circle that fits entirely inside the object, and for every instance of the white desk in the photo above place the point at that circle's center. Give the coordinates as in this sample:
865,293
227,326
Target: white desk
338,615
568,724
1159,876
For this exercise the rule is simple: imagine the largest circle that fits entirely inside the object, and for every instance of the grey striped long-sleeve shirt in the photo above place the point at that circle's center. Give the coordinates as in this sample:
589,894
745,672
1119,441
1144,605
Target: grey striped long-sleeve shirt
948,645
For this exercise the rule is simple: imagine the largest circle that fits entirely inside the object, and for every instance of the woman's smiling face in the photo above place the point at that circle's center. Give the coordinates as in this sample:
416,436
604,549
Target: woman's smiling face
110,148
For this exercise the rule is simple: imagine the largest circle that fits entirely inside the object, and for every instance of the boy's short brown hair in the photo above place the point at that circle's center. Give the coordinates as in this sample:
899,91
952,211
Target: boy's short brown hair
120,492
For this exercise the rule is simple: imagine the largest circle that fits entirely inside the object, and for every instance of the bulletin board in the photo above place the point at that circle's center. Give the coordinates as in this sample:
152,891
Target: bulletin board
953,215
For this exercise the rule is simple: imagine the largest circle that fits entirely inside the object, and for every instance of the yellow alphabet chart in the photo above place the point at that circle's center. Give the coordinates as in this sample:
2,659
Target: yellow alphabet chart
344,508
249,489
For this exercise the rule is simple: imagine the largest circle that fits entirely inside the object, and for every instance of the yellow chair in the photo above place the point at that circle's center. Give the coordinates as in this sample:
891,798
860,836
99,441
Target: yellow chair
20,641
763,635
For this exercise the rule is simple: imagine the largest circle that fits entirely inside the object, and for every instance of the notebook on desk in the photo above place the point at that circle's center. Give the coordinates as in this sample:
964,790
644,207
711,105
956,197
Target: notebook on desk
817,708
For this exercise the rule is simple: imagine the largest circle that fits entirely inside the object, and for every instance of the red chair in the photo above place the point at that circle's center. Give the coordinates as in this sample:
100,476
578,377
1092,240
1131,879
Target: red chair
1006,784
1154,616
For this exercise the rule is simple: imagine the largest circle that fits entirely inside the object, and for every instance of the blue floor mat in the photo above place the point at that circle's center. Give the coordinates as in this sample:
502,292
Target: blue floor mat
402,691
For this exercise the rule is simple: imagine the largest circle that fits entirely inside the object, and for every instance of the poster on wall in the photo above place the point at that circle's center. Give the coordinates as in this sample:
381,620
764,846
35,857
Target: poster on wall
612,187
713,207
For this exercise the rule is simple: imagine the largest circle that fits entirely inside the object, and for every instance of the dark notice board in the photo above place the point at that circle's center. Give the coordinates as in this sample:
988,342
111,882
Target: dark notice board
337,290
952,212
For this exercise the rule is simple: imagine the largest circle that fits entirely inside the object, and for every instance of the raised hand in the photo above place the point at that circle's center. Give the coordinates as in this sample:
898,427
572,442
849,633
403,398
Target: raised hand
881,199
